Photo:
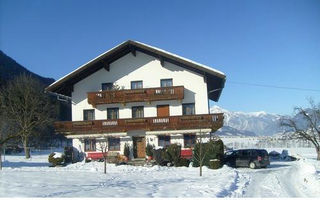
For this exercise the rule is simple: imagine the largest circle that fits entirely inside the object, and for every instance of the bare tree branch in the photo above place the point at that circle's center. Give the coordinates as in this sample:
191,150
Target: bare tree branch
305,124
26,107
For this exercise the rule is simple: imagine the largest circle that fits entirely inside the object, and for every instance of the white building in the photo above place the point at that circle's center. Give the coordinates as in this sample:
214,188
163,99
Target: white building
138,94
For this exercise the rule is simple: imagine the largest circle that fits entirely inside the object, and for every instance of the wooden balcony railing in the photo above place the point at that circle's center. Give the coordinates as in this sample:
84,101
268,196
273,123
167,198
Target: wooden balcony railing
212,121
136,95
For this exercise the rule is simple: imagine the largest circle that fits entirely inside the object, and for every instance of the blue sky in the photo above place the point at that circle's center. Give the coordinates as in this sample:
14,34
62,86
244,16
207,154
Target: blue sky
260,42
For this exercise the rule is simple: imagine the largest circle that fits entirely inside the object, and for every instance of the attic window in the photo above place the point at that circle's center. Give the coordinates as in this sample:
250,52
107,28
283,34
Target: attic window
106,86
136,85
166,82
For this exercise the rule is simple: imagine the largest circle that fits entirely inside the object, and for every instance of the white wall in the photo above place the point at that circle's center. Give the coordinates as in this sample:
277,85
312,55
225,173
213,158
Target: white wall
149,70
76,143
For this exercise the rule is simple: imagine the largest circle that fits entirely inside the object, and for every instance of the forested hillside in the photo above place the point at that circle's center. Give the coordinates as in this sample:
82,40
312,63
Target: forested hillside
9,69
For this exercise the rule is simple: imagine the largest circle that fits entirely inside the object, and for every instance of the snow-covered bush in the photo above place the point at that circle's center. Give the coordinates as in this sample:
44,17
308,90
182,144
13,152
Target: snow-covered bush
56,158
215,164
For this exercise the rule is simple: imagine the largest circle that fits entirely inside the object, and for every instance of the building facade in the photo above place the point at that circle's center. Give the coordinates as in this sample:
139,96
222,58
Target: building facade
136,94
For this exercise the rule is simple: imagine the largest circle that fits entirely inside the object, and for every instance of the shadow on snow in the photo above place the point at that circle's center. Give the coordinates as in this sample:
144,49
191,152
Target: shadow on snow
24,164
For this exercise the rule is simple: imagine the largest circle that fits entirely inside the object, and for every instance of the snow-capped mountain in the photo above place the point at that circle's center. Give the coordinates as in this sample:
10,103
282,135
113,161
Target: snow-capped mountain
248,124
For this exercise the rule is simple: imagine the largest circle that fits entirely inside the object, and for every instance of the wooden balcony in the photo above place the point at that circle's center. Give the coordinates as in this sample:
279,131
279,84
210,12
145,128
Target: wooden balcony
212,121
136,95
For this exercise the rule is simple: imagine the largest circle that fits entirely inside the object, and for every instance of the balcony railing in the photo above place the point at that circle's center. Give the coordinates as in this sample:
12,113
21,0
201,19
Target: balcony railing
136,95
212,121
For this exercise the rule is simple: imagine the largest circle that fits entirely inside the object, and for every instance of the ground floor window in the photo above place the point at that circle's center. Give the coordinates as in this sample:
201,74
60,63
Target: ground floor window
89,145
189,140
113,144
164,140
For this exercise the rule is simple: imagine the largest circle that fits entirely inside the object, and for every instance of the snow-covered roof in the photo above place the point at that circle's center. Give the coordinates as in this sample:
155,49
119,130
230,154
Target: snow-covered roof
64,84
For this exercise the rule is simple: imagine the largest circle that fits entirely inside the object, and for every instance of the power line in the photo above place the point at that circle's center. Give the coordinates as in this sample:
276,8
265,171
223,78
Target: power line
273,86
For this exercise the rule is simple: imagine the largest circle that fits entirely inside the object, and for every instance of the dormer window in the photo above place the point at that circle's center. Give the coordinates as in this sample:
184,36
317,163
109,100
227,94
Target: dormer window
136,85
166,82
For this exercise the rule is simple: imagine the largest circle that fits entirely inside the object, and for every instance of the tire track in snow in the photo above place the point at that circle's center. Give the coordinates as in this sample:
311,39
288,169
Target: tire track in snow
276,181
237,187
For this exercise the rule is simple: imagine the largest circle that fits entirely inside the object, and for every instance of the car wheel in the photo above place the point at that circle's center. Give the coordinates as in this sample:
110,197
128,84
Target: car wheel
252,165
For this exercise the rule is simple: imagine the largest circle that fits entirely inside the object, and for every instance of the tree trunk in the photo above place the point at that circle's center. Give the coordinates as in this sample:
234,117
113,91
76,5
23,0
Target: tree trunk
200,157
0,157
318,153
105,165
200,153
25,147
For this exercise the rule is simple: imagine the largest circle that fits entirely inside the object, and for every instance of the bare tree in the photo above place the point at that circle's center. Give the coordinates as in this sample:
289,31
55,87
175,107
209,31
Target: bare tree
5,133
26,107
103,147
200,155
305,125
5,136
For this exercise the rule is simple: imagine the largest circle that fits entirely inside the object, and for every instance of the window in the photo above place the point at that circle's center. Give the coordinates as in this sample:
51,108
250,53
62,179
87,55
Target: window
163,140
112,113
188,109
137,112
189,140
88,114
89,145
113,144
106,86
166,82
136,85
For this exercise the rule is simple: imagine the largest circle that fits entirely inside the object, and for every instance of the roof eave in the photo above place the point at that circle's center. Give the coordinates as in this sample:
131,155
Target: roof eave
59,84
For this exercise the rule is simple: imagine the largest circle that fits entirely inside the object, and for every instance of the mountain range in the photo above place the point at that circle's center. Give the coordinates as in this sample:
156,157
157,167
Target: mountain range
9,69
248,124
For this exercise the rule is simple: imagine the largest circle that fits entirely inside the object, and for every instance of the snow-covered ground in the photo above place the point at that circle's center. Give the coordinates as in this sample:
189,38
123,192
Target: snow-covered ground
33,178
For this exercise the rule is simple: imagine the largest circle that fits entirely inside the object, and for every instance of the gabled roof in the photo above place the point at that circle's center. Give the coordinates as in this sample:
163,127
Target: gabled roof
215,79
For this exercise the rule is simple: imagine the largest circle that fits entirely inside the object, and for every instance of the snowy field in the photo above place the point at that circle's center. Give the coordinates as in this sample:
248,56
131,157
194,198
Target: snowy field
33,178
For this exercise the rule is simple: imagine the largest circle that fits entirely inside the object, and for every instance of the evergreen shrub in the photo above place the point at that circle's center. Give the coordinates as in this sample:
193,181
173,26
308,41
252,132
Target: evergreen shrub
126,151
214,149
149,150
183,162
173,153
159,156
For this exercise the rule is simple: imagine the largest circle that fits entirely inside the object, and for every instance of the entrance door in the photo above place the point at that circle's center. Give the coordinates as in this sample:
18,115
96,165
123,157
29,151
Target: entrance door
139,145
163,111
